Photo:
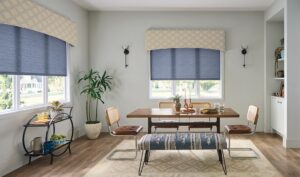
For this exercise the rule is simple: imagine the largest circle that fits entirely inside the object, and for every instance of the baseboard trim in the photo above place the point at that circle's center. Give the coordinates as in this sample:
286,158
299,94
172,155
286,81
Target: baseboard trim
291,143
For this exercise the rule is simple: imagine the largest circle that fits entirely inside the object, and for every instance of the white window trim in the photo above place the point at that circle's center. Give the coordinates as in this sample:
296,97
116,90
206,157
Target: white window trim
16,96
222,63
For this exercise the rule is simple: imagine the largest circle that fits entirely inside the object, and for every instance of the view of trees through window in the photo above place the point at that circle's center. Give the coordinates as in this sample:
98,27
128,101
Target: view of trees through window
6,92
192,88
31,91
161,89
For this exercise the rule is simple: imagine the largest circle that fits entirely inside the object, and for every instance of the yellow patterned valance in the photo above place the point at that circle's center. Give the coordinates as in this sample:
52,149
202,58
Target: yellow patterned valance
30,15
184,38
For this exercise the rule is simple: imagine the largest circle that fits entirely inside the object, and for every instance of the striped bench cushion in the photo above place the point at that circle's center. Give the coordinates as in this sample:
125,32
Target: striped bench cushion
182,141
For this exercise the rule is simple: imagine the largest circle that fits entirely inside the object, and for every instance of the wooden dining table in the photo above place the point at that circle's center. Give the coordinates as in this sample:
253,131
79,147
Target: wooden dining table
150,113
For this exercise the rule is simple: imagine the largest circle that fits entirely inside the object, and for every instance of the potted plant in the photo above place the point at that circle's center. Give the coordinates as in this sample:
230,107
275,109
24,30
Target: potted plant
94,86
176,99
55,108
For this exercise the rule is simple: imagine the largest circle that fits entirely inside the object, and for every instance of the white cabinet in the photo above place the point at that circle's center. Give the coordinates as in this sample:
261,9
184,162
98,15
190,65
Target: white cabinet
277,114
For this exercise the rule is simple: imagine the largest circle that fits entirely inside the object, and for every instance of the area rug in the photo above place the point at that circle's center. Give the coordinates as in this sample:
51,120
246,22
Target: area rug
202,163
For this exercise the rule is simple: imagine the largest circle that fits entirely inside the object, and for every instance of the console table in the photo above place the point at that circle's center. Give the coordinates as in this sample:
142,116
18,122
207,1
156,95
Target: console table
51,123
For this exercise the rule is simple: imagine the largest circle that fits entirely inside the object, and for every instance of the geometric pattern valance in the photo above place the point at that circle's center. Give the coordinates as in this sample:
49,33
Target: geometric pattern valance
30,15
184,38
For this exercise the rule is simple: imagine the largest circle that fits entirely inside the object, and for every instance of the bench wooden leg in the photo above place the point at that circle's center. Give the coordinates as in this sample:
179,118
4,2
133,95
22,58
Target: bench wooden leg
147,156
220,155
142,162
223,162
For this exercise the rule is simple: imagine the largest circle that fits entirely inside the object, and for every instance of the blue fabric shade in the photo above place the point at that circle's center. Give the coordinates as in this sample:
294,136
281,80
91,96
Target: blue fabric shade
185,64
27,52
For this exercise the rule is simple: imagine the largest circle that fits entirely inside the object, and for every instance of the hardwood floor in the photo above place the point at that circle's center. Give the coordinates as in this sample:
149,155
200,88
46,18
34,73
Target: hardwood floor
287,161
86,153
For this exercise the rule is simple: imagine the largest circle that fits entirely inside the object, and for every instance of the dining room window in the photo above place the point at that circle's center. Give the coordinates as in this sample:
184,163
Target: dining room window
194,72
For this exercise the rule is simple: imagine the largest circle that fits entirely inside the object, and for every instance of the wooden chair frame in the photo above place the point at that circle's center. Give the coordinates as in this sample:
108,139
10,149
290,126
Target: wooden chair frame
201,105
163,105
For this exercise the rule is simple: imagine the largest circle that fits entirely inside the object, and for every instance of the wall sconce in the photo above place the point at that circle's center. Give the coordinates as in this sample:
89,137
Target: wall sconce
244,52
126,52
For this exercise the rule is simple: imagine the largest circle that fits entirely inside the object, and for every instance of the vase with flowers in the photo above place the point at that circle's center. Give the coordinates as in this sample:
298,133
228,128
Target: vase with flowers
55,109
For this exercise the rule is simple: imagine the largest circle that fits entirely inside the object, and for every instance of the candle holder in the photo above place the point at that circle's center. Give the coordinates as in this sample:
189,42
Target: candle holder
188,107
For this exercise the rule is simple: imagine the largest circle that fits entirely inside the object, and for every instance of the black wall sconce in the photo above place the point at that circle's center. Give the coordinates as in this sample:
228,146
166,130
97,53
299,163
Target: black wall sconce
244,52
126,52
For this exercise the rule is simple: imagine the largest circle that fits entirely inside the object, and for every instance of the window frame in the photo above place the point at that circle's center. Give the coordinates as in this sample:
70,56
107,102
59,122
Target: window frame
16,95
221,98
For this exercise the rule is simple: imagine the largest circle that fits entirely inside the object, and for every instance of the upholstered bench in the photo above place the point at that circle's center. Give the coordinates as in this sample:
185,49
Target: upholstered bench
182,141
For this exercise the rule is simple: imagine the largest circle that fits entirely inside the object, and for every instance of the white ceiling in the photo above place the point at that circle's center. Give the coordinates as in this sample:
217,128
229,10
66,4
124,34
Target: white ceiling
175,5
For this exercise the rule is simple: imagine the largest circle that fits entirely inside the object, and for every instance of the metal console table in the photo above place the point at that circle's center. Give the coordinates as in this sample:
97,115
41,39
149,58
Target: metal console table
51,123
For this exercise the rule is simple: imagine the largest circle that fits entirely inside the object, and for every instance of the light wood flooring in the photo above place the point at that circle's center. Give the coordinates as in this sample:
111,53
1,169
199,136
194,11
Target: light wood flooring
86,153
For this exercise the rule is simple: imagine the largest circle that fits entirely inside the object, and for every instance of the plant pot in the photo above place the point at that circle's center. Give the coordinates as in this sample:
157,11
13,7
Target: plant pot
93,130
53,114
177,106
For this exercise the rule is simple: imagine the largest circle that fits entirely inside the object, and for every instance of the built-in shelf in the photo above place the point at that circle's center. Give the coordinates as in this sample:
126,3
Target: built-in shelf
277,96
279,78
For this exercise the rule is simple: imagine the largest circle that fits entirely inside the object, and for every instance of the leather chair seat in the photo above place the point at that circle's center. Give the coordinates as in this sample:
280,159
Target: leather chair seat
128,130
238,129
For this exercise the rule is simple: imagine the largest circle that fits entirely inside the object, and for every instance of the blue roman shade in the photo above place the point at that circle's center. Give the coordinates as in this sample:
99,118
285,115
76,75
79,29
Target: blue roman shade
27,52
185,64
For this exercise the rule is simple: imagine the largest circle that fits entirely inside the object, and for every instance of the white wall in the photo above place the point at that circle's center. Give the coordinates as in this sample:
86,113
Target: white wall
11,151
292,82
108,31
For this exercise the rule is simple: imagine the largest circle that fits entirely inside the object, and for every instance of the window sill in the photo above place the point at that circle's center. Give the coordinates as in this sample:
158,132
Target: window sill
193,99
14,113
25,110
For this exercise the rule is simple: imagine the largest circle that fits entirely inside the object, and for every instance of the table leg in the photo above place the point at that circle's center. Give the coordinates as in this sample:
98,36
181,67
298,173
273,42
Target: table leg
147,154
218,131
218,125
149,125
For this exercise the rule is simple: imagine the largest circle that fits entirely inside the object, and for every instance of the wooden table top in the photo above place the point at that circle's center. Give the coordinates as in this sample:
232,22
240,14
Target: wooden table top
170,113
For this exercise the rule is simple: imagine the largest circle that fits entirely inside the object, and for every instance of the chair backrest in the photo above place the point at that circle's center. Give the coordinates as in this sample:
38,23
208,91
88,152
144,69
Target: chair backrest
112,116
166,104
252,115
201,105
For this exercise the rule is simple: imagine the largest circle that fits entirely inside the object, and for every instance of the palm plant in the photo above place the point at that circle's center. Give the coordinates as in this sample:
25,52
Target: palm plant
176,98
94,87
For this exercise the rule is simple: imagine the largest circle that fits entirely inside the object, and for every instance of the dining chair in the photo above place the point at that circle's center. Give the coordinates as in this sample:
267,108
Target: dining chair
165,122
249,129
199,106
113,118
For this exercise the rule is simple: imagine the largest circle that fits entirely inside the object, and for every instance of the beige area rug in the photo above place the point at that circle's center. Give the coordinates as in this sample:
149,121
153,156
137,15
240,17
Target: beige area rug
202,163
